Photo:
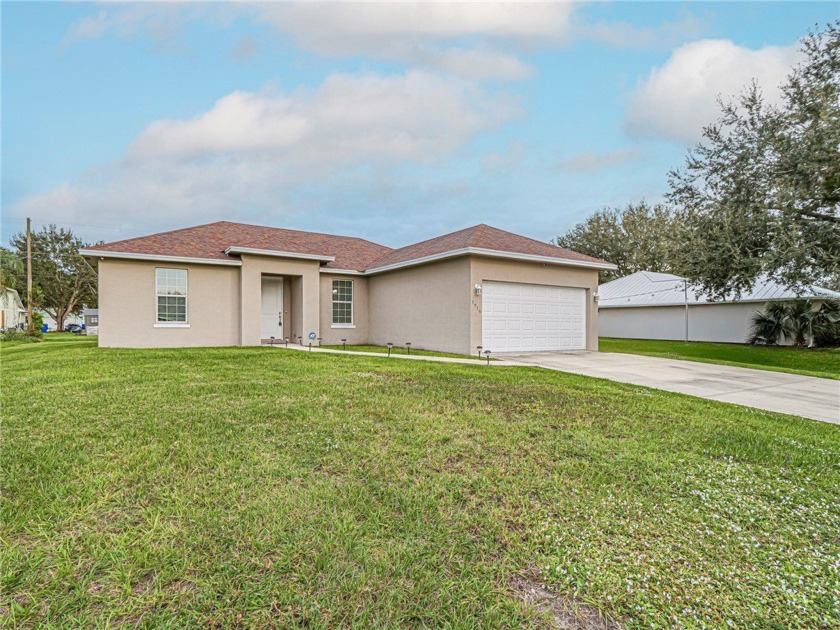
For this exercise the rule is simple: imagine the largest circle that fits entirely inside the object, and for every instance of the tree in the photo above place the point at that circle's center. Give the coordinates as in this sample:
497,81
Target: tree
62,281
11,267
761,192
635,238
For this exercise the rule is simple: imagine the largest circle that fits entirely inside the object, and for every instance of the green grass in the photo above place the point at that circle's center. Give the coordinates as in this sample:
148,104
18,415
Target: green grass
404,350
246,487
820,362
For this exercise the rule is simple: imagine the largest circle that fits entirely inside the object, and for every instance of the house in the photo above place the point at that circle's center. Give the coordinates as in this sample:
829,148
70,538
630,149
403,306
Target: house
91,317
648,305
52,326
231,284
13,314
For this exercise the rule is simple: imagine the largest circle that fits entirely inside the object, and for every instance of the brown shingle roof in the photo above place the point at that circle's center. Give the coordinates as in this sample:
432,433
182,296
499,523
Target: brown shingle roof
481,237
211,240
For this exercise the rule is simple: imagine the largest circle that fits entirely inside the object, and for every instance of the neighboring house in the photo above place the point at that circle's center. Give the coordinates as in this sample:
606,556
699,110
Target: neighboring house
91,317
648,305
229,284
13,314
49,320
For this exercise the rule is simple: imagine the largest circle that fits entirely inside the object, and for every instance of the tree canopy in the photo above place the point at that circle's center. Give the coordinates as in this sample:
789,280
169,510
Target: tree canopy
62,282
761,192
635,238
11,267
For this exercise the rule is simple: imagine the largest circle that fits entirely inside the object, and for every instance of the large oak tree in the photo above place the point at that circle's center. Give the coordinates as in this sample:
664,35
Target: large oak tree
62,282
635,238
761,192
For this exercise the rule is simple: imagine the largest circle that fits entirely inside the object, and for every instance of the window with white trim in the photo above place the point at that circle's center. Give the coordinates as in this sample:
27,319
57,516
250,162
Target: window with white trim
342,302
171,289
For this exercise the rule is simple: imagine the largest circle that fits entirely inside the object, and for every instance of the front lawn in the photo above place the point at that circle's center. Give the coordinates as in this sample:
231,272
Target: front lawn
247,487
820,362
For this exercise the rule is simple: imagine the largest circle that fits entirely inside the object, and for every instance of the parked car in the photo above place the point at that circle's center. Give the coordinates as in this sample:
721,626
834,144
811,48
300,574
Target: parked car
73,328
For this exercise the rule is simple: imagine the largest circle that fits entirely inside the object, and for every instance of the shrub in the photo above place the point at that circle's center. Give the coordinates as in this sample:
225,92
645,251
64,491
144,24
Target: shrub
20,335
801,321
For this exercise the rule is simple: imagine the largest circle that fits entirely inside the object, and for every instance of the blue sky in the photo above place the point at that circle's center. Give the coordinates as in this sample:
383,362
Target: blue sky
393,122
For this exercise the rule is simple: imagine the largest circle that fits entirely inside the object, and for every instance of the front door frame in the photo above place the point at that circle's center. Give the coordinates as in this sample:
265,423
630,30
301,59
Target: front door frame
279,327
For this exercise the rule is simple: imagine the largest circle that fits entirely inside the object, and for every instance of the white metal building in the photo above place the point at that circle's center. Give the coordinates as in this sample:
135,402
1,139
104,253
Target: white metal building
648,305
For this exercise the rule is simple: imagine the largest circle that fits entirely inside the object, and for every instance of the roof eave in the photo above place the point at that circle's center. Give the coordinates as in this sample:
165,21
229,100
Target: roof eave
100,254
277,253
492,253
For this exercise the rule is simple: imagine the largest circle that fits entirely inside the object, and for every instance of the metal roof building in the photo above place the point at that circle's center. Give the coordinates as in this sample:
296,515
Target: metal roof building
650,305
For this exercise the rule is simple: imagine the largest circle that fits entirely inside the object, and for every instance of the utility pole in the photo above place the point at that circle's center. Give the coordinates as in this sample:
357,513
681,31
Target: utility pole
29,323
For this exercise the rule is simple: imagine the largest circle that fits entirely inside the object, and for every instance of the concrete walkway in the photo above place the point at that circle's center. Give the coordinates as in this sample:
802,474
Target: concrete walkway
806,396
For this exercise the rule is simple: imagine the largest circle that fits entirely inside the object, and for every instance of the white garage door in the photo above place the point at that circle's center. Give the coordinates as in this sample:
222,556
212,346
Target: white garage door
533,317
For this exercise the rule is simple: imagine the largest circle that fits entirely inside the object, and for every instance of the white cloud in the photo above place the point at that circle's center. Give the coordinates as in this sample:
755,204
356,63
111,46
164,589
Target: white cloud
462,38
349,118
589,161
678,98
427,34
626,35
260,154
372,27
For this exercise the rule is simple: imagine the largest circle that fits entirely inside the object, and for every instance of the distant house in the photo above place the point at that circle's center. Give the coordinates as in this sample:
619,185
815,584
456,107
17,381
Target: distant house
648,305
13,314
91,316
49,320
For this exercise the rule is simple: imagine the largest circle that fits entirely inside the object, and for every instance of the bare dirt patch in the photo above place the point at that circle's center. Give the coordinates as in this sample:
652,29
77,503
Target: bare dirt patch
564,613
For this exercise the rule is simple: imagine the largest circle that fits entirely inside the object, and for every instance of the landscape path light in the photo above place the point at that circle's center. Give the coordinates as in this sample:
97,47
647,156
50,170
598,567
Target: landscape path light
479,348
390,345
487,353
408,346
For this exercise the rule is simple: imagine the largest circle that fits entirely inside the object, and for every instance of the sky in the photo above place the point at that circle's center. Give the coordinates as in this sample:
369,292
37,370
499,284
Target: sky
393,122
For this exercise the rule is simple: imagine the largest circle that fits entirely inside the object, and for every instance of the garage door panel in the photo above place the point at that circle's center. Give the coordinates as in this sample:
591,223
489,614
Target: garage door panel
522,317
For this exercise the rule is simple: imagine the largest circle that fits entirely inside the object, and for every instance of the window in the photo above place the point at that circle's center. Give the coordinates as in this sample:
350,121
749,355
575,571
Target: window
342,302
171,285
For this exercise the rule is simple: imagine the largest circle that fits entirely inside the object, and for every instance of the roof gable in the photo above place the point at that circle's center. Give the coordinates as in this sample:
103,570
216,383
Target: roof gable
479,237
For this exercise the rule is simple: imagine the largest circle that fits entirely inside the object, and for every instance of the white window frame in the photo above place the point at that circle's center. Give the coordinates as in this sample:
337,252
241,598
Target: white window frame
186,296
352,301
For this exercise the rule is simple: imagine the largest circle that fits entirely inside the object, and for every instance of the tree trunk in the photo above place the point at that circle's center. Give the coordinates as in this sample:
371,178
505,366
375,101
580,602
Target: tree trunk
60,316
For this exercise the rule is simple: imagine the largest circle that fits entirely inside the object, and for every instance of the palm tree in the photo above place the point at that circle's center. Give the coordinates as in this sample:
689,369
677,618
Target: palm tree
799,321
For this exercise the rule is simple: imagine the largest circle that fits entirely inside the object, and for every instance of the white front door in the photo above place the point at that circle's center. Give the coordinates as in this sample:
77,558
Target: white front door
532,317
272,308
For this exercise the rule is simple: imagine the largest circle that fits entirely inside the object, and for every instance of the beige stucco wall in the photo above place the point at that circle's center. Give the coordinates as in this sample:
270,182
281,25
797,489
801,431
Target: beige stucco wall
303,306
428,305
128,306
727,323
433,306
498,270
358,333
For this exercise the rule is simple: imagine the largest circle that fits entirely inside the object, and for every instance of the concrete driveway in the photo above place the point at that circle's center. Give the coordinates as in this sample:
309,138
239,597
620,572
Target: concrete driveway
806,396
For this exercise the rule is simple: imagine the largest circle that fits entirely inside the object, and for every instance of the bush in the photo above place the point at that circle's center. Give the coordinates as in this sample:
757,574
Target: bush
21,335
802,322
37,322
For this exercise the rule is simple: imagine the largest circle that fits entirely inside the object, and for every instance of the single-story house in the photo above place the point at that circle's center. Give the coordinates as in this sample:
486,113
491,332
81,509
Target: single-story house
230,284
12,315
648,305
